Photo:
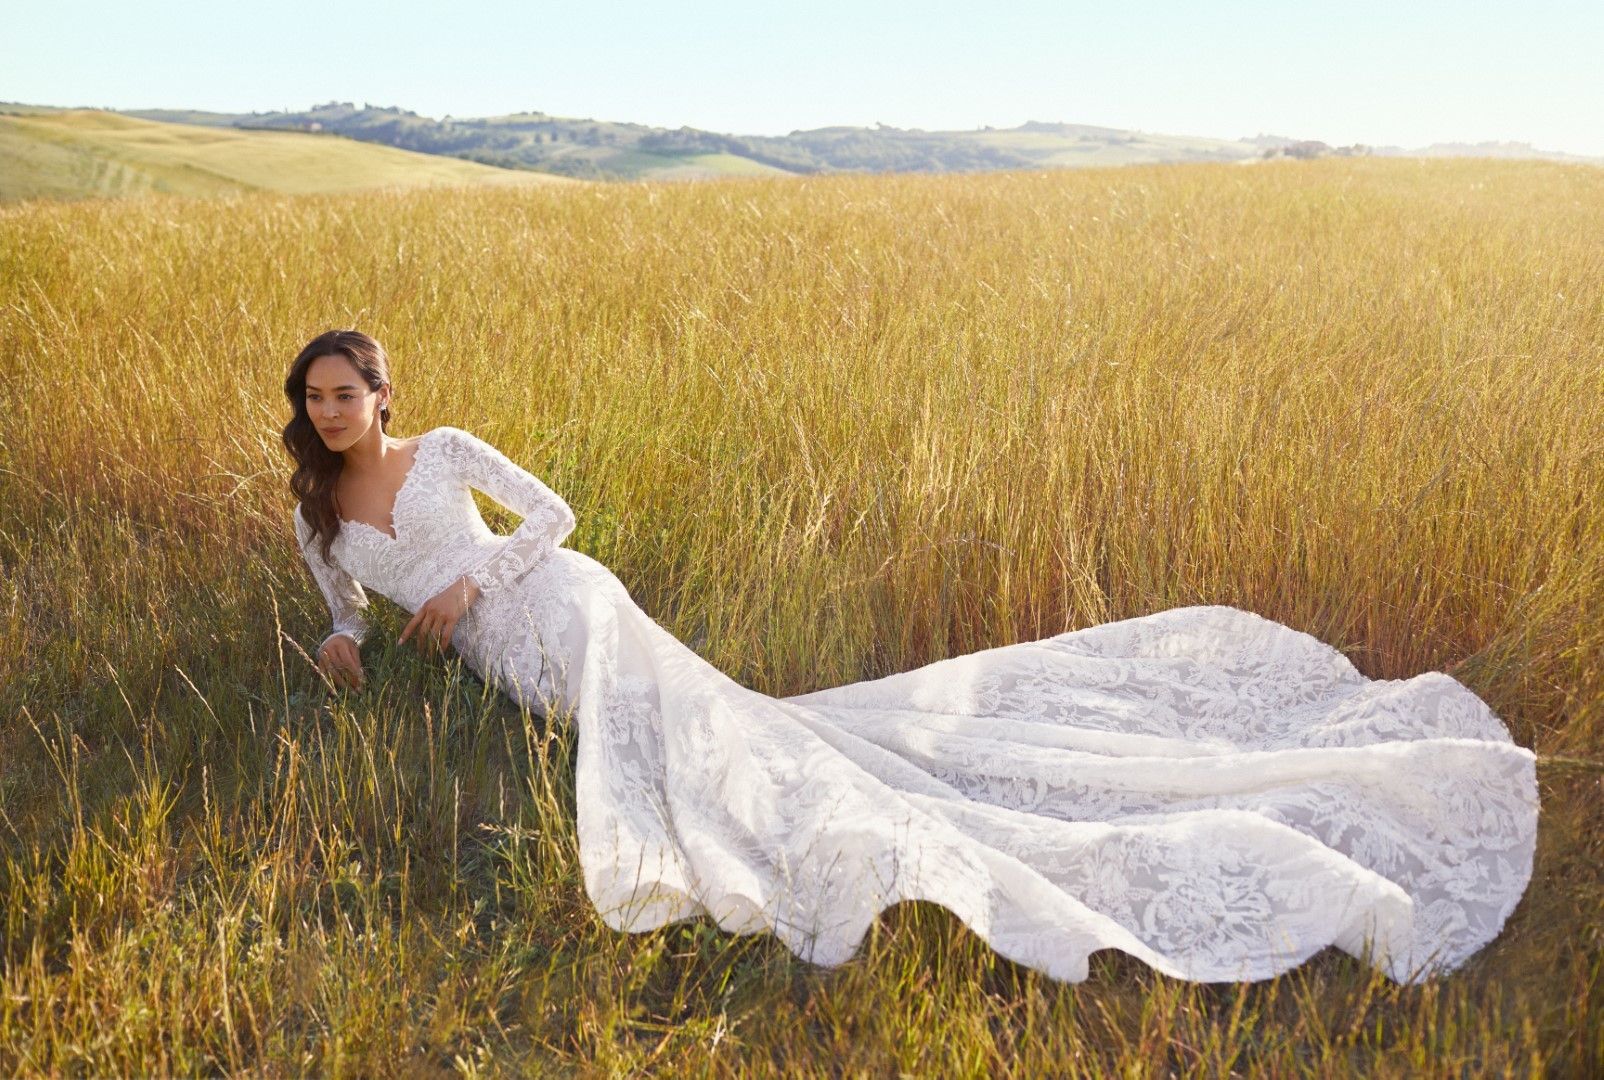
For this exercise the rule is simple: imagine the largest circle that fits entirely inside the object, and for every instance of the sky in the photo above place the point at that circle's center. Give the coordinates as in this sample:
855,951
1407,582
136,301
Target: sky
1394,73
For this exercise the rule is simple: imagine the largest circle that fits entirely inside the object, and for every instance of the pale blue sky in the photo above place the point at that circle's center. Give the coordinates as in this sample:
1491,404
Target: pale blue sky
1397,72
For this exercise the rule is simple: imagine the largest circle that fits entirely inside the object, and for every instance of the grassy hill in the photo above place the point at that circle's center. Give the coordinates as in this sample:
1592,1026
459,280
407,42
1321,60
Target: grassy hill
73,153
822,431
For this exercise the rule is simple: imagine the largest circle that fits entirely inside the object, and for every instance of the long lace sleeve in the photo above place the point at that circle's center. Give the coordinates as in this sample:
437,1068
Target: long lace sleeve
547,519
341,591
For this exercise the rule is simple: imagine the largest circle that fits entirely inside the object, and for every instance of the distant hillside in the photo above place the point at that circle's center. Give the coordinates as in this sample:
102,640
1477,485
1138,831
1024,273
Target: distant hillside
74,153
337,146
1491,150
603,149
608,150
1275,146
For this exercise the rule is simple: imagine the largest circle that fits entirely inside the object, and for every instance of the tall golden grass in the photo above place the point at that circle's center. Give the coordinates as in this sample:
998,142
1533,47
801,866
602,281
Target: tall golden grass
825,429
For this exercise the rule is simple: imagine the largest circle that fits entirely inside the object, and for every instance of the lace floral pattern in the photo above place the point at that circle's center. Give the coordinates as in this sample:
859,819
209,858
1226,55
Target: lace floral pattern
1213,792
547,519
341,592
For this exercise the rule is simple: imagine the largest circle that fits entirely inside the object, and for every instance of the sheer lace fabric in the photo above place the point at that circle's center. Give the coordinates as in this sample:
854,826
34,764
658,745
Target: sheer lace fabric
1214,792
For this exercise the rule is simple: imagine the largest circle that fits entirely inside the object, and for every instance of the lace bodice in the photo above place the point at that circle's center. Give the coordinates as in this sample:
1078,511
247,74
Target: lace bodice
439,534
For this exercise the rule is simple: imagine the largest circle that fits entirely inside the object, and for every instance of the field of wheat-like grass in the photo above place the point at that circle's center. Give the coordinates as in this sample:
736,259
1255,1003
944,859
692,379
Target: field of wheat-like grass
824,429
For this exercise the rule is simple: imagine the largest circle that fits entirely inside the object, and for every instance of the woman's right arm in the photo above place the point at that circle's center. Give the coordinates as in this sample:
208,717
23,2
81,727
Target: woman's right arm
341,591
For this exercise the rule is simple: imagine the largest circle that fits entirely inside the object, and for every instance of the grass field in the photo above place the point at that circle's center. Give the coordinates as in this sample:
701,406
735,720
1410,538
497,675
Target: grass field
72,153
827,429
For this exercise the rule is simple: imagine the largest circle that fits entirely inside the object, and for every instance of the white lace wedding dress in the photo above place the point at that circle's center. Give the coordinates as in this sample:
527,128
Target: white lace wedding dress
1211,791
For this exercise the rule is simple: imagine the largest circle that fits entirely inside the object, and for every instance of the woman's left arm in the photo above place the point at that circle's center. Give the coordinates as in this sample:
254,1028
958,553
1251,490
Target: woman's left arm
547,519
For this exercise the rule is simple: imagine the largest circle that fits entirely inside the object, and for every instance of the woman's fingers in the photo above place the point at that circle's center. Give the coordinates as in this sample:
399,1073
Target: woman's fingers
341,663
432,626
425,625
438,631
331,672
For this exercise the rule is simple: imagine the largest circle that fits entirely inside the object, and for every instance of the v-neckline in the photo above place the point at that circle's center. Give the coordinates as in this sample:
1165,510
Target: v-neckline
395,502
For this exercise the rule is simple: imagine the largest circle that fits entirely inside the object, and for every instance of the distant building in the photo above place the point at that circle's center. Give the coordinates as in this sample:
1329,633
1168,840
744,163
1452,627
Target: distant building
1313,148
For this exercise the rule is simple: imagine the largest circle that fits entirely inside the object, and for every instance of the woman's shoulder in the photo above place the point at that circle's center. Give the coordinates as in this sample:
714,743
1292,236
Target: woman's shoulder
455,440
303,528
304,533
447,433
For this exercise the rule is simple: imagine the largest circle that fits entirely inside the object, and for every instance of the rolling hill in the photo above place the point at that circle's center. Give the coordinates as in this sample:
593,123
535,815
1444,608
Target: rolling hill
75,153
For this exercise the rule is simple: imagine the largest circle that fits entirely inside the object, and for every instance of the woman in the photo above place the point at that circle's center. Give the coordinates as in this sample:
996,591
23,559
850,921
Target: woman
1206,789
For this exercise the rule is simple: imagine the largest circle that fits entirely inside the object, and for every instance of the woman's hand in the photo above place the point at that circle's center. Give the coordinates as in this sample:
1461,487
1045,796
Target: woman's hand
341,661
437,619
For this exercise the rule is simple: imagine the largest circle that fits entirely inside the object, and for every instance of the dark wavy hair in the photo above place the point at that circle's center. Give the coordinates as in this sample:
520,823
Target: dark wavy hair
316,466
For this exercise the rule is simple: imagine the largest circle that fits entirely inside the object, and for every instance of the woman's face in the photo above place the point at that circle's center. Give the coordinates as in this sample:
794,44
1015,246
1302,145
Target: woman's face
339,403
